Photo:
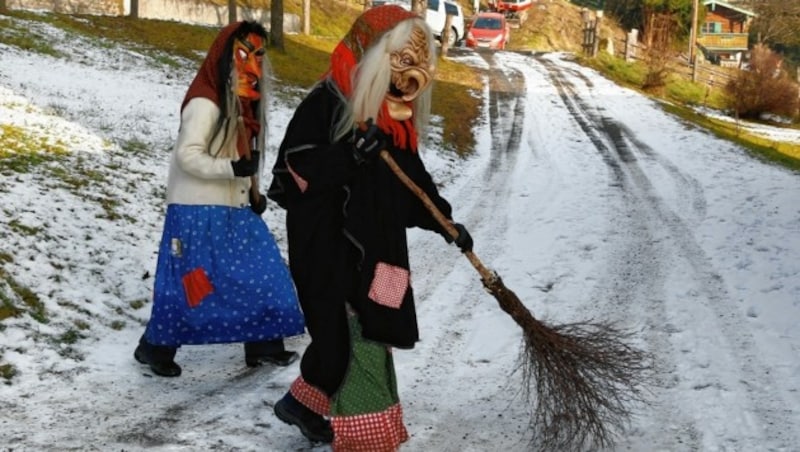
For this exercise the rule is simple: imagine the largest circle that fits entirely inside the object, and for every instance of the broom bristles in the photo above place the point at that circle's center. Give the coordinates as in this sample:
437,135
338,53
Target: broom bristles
584,377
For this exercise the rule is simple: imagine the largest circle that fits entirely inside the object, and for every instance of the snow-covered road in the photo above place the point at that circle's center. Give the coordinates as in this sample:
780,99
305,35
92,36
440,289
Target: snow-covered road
593,203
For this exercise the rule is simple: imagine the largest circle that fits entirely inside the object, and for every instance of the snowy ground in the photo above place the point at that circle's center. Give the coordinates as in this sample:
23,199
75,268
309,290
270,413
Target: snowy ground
585,197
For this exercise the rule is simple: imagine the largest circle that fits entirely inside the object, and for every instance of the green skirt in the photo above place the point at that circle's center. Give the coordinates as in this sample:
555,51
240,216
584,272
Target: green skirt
365,412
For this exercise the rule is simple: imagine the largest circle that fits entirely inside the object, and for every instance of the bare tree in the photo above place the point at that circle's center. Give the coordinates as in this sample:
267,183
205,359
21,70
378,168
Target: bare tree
231,11
765,88
660,51
134,8
777,21
276,25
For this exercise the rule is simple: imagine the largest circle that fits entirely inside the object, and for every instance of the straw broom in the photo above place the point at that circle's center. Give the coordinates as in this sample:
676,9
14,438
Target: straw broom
583,375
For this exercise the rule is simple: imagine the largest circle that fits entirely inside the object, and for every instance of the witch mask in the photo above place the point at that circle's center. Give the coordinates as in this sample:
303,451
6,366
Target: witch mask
248,54
412,69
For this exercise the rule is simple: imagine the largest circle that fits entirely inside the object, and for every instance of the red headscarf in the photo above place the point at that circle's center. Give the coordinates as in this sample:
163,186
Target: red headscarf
206,83
364,33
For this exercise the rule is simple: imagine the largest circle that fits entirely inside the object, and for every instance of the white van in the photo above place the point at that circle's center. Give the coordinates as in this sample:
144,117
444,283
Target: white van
436,15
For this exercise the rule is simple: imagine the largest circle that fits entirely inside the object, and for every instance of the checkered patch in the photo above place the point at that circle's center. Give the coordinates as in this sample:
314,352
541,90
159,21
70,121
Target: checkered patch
389,285
314,399
372,432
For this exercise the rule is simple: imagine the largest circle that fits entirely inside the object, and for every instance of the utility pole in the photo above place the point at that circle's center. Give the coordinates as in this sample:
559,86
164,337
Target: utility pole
693,42
306,17
693,34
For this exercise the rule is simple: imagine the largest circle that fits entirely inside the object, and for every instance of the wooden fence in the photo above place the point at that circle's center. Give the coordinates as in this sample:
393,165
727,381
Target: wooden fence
630,48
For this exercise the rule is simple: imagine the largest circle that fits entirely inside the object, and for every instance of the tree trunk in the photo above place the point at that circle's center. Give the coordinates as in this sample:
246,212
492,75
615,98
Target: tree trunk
276,25
3,5
306,17
231,11
448,29
134,8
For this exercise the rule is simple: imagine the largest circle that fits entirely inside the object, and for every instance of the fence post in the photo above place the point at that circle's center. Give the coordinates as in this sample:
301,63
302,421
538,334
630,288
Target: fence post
595,33
631,42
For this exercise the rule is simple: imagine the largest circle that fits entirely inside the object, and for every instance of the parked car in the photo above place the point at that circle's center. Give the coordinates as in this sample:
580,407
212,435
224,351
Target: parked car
436,17
489,31
510,6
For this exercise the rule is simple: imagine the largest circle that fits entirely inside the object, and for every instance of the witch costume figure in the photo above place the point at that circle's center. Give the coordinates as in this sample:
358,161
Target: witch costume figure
220,277
346,219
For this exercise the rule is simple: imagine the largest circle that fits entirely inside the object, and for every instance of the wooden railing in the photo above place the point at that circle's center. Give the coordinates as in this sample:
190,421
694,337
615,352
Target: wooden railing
733,41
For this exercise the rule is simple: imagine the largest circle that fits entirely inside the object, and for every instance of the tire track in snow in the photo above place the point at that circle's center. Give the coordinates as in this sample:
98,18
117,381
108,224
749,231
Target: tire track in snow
482,207
663,240
635,271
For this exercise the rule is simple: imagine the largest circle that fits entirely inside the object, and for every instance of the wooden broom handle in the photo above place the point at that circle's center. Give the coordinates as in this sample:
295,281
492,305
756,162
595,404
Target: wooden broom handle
486,275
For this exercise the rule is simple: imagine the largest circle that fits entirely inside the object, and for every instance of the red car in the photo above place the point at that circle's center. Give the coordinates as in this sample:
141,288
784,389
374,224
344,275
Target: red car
488,31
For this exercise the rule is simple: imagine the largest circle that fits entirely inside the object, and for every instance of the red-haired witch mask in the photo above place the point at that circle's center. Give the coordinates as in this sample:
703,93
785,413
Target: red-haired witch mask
248,55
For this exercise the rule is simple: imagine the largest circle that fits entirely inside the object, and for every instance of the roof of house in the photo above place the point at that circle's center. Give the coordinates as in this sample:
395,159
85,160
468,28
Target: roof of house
714,3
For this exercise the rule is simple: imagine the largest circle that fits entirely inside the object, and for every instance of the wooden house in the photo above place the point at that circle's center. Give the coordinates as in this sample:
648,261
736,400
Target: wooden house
722,38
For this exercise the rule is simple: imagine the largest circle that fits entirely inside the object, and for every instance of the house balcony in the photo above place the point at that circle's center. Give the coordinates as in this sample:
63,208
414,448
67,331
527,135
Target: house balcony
723,41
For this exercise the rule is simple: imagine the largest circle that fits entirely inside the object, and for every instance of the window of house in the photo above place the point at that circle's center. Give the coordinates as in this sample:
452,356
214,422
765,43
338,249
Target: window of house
712,27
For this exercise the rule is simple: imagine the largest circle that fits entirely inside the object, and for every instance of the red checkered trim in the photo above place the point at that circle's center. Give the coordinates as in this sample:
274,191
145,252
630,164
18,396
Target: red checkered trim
311,397
389,285
373,432
302,184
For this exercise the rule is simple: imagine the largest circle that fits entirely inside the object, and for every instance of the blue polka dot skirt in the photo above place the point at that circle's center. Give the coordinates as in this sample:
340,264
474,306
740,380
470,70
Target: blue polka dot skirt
220,278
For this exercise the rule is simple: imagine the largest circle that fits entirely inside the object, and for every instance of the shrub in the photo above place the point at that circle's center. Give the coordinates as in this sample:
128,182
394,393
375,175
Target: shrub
765,88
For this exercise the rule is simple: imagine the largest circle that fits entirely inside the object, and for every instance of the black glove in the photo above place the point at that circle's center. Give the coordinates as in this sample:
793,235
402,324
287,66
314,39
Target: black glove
463,241
368,142
258,205
244,167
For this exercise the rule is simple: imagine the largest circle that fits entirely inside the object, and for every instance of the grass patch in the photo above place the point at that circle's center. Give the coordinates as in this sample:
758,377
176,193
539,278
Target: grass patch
303,61
31,303
629,74
456,98
684,93
13,35
7,372
167,42
7,308
133,147
22,149
22,229
785,154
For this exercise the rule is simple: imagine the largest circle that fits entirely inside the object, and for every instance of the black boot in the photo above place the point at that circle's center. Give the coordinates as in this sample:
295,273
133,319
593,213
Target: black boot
312,425
160,358
262,352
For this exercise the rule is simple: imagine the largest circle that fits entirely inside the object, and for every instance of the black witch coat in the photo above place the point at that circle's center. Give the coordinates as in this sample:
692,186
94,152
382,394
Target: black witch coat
346,223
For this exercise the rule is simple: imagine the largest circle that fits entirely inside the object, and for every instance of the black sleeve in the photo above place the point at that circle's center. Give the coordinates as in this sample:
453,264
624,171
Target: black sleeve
309,162
419,215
